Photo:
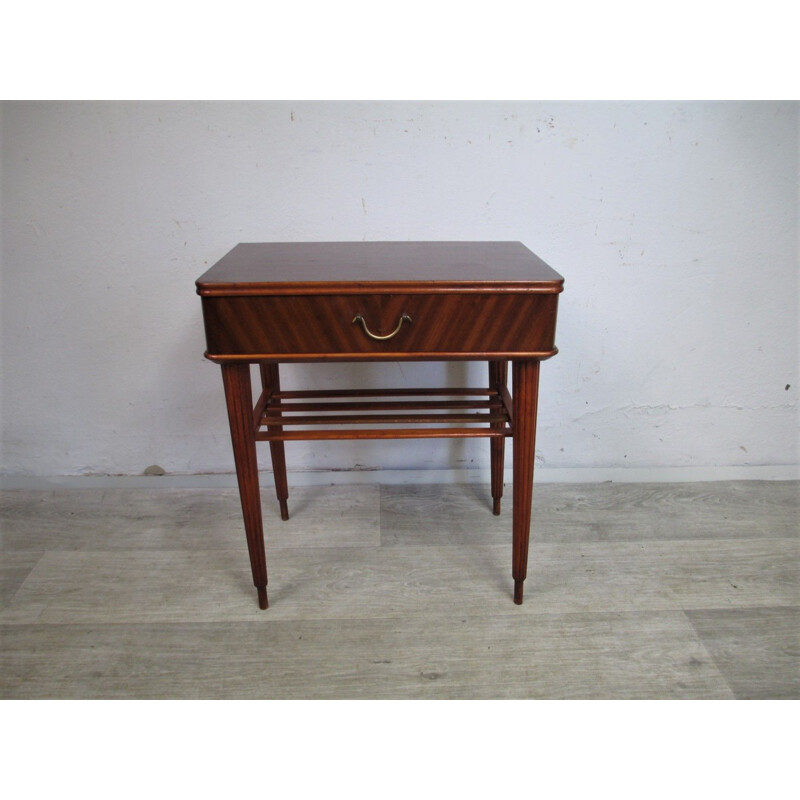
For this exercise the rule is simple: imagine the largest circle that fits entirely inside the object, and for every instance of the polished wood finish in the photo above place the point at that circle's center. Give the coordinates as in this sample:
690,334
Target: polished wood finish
238,395
381,301
271,383
284,410
292,268
525,378
498,377
381,433
459,325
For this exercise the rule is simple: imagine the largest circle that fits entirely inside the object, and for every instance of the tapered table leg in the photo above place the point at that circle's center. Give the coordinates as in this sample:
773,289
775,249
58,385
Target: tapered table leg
525,378
239,397
271,382
498,376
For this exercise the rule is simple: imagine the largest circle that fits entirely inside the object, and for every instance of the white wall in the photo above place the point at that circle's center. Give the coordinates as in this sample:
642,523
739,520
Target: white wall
675,225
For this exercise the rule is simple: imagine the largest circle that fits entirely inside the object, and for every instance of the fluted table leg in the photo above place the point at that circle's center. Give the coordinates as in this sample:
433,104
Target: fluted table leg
271,382
498,376
239,397
525,378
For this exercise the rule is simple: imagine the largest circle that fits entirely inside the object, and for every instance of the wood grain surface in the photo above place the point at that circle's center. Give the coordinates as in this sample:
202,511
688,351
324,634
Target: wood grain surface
288,328
401,592
369,267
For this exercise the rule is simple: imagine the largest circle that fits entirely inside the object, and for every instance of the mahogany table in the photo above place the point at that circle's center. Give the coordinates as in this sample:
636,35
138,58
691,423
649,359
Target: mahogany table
273,303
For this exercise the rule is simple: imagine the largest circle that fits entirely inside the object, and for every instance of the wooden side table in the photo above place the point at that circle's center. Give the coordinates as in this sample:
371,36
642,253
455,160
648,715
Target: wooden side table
271,303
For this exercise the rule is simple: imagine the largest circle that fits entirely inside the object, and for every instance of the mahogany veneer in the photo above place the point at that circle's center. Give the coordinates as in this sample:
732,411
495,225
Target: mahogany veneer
477,325
378,301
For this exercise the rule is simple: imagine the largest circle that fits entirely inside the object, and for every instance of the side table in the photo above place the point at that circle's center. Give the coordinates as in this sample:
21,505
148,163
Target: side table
273,303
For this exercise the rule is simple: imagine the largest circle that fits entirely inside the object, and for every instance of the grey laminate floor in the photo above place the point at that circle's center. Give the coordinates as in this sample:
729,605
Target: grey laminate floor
633,591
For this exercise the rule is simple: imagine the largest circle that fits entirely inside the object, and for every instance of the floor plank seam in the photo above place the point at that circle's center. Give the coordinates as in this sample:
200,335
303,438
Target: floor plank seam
709,655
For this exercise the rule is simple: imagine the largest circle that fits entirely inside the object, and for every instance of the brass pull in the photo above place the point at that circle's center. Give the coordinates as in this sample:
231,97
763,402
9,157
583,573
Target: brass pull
359,318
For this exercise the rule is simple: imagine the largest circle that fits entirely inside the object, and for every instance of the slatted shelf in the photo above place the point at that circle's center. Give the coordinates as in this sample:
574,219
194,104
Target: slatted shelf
423,413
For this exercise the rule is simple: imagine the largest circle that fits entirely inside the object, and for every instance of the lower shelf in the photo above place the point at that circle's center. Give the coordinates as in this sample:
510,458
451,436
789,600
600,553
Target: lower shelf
420,414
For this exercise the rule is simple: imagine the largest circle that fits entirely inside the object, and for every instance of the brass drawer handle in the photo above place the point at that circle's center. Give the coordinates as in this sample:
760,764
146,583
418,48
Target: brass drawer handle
359,318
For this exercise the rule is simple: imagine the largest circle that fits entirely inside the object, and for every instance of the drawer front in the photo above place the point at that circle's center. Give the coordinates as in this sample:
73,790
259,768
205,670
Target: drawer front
322,326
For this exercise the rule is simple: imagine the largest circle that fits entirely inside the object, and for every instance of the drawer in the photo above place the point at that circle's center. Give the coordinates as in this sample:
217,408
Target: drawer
416,326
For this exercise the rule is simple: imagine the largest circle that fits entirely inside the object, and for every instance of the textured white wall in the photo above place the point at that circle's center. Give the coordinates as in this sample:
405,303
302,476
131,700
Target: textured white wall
675,225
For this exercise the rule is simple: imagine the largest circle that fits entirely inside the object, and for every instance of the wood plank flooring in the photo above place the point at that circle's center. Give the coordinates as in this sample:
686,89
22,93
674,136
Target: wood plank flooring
633,591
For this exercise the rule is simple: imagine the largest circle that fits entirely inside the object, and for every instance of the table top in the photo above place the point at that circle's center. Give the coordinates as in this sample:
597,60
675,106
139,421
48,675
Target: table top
364,267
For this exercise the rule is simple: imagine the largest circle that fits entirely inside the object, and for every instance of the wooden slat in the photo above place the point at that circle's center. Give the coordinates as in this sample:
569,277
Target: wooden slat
420,392
366,419
381,405
379,433
284,409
